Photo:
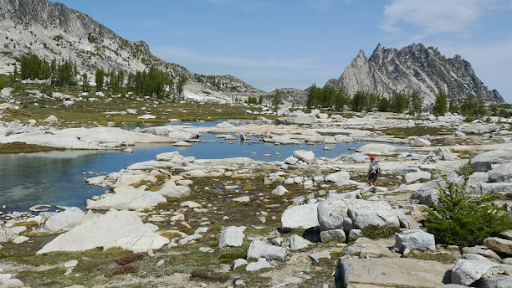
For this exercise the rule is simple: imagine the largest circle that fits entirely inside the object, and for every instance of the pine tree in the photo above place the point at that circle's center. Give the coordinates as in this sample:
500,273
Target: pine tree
462,218
276,101
14,74
100,78
440,106
85,83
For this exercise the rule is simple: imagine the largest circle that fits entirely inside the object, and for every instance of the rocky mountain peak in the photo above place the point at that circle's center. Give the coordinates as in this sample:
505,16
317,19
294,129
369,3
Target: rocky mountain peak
414,67
54,31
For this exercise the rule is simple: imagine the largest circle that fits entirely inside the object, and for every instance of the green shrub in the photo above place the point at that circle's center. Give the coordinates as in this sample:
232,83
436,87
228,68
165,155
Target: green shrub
378,232
231,256
462,218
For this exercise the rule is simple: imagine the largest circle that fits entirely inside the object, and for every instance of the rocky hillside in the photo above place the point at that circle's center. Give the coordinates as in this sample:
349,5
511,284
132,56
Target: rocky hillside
290,97
414,67
52,30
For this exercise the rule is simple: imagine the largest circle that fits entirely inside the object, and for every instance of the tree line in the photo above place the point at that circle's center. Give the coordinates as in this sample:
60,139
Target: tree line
471,106
154,81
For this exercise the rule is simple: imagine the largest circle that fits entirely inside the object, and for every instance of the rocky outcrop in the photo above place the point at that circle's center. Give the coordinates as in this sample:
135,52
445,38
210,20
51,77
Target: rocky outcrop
414,67
122,229
53,31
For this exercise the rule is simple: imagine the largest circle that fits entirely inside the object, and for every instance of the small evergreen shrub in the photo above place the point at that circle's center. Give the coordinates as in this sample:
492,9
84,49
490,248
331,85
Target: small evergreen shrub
462,218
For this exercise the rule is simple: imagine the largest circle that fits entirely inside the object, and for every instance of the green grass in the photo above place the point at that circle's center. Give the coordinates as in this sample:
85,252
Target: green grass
378,232
19,147
86,113
415,131
439,257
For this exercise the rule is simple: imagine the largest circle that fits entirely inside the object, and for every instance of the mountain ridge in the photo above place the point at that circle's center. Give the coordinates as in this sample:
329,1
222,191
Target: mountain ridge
413,67
52,30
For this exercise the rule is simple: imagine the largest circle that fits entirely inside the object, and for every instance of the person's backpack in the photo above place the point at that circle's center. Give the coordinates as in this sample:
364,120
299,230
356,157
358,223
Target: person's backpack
375,169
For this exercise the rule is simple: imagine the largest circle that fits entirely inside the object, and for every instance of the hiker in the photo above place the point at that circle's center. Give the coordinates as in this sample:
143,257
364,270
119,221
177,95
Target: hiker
373,173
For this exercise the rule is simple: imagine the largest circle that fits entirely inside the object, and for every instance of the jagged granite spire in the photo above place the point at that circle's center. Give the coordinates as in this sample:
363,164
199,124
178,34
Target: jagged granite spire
414,67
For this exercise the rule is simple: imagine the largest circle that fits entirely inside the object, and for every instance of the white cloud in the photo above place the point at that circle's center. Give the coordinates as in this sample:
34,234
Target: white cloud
183,55
436,16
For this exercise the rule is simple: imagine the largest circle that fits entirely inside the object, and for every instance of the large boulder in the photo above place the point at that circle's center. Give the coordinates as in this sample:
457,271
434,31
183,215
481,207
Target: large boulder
496,282
466,272
414,239
298,243
499,245
483,162
170,157
372,213
391,272
174,191
501,173
333,214
131,199
9,234
367,248
428,193
420,142
377,149
67,219
333,235
232,236
415,176
339,178
304,155
301,216
259,249
445,153
123,229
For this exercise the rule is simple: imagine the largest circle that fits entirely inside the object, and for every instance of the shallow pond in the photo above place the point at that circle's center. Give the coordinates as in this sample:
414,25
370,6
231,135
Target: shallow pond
57,177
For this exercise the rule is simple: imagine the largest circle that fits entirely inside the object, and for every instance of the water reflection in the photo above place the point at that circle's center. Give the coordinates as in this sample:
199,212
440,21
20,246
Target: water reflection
57,178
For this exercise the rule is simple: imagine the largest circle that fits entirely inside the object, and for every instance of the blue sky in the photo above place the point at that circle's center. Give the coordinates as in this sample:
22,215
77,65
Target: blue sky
295,43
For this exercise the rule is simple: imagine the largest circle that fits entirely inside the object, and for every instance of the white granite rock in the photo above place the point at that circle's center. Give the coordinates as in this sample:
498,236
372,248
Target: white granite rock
122,229
232,236
301,216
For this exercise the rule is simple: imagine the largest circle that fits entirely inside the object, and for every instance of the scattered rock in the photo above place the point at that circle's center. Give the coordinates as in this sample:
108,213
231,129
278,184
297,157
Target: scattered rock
306,156
279,191
238,263
232,236
298,243
256,266
414,239
499,245
40,208
316,257
301,216
260,249
339,178
337,235
67,219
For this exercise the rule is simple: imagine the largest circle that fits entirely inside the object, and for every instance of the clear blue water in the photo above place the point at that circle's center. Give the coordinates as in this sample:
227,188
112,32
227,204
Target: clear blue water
56,178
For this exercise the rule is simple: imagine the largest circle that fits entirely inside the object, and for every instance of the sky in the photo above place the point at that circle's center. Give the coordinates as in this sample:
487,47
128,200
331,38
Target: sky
294,43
